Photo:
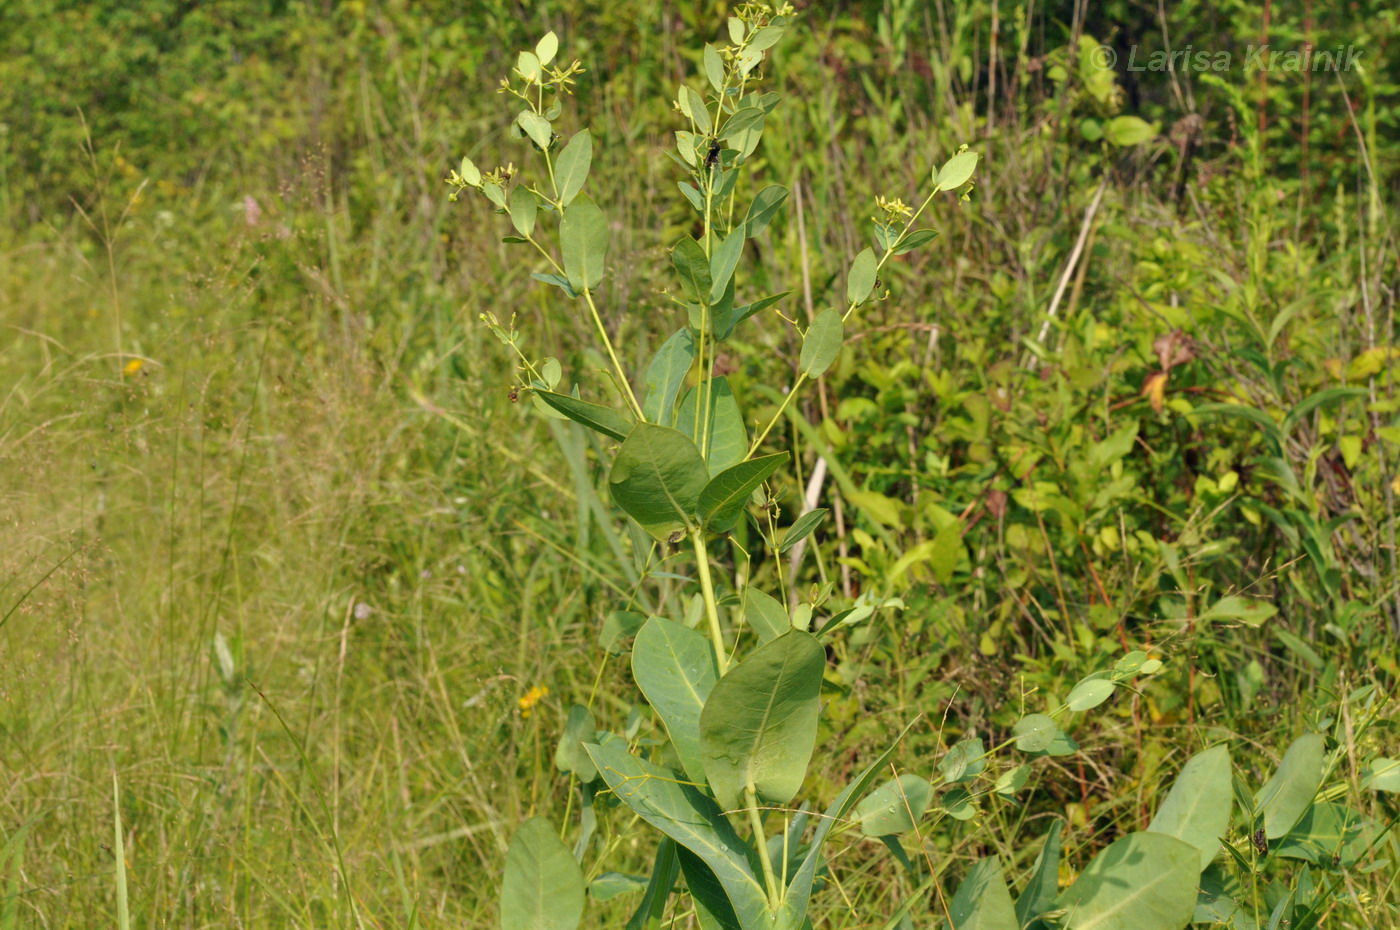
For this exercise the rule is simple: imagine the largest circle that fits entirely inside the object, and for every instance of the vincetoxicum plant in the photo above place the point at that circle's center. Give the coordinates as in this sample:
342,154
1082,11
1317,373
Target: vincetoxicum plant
741,708
740,701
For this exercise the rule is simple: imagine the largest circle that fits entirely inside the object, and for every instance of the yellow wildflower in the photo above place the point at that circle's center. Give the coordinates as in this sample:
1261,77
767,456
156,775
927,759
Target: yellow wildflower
531,698
133,366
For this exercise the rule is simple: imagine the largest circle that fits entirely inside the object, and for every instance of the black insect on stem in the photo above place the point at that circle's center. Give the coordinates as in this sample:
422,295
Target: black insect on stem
1261,842
712,158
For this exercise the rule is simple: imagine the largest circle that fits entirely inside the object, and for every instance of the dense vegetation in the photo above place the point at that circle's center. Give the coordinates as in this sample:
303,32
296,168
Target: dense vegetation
300,583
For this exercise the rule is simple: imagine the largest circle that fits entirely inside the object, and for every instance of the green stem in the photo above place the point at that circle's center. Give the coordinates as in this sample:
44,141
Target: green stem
802,379
759,840
707,590
612,355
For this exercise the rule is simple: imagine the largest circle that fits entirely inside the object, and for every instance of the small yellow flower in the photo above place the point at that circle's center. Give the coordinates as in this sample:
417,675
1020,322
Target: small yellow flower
894,208
531,698
133,366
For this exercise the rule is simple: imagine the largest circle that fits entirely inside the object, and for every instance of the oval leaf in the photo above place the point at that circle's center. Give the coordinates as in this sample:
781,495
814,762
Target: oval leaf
801,528
1089,693
674,666
982,901
594,416
956,171
657,478
861,281
895,806
571,170
726,436
1034,733
1197,809
722,500
759,725
1144,881
1286,797
666,375
822,343
765,614
543,886
583,237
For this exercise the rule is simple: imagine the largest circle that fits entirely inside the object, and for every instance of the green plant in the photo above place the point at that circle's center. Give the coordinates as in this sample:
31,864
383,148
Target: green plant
740,701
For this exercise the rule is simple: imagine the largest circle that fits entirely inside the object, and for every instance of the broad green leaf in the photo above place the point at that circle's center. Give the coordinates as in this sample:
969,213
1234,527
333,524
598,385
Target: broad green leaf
736,315
594,416
723,262
688,817
822,343
742,121
956,171
1039,894
609,885
694,105
523,207
714,68
801,528
569,755
894,807
964,762
982,901
914,240
657,478
528,64
1247,611
765,614
1327,830
1010,782
619,626
759,724
1286,797
728,439
959,804
793,914
1034,732
666,376
536,127
674,666
652,907
765,38
712,908
1383,775
583,237
543,887
765,206
546,48
722,500
1197,809
470,172
571,169
1143,881
1089,693
861,280
1129,130
561,283
1218,901
693,266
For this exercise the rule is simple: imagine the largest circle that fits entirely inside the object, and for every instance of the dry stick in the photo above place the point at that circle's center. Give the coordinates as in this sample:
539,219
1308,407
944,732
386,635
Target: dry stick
1073,259
819,471
809,503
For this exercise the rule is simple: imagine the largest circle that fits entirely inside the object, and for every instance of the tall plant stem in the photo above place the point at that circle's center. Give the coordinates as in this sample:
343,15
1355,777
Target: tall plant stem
707,590
612,355
759,840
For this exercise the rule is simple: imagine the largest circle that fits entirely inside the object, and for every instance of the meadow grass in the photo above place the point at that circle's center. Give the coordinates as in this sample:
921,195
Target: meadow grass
281,557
